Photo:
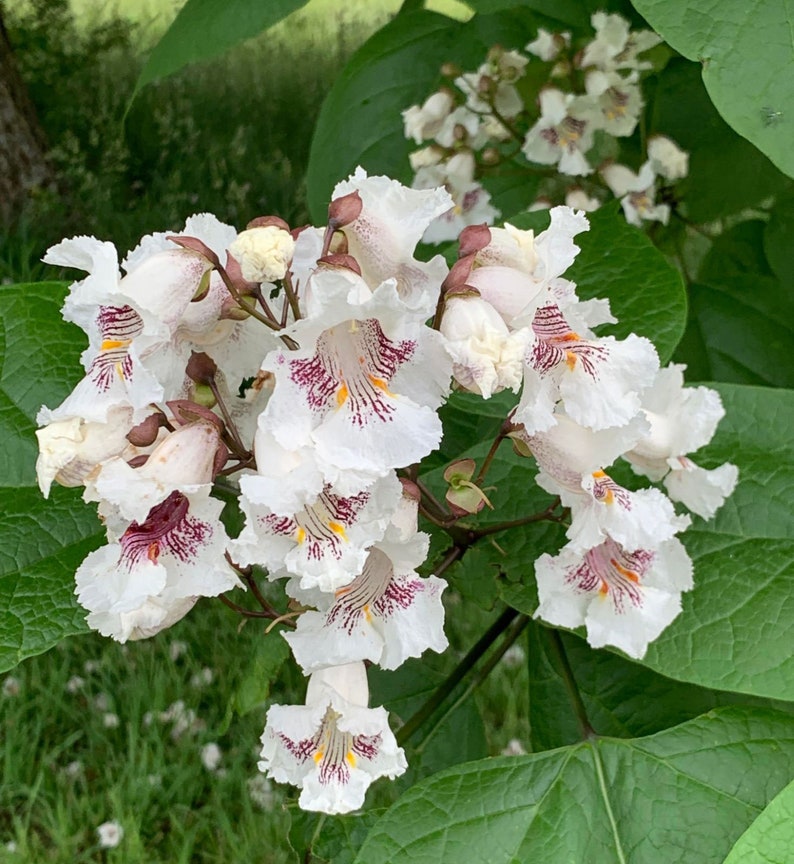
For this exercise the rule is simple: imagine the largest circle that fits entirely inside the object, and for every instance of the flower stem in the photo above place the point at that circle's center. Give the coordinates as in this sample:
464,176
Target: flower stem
500,436
546,515
513,631
439,696
558,649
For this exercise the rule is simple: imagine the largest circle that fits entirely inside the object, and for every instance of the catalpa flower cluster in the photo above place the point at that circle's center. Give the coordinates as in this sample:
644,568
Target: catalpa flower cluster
513,322
592,97
298,368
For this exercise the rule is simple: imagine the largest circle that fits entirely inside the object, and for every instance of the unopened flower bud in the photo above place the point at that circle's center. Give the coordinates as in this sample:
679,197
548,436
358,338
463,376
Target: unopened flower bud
264,253
146,432
342,211
267,221
490,156
201,368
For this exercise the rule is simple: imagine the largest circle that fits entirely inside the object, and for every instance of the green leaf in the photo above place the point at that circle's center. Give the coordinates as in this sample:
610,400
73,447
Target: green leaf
740,326
746,54
261,670
736,631
360,122
713,189
206,28
621,698
693,788
770,839
619,262
43,542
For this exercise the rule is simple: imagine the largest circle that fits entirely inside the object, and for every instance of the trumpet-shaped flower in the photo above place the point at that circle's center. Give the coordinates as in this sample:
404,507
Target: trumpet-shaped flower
153,574
334,746
387,614
599,379
682,420
624,598
563,134
383,237
325,543
364,386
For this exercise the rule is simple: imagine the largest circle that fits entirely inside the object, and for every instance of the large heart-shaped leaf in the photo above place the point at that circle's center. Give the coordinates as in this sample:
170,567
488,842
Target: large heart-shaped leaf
746,51
770,839
693,788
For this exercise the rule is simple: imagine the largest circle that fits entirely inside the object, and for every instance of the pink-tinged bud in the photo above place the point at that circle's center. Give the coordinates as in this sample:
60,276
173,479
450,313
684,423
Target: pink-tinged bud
411,490
201,368
146,432
186,412
459,274
265,221
187,455
342,211
235,274
485,84
347,262
490,156
464,496
196,245
472,239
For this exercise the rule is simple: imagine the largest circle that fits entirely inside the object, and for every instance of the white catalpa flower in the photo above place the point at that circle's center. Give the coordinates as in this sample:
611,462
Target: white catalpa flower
617,101
325,543
471,202
624,599
599,379
637,193
423,123
548,45
492,85
682,420
563,134
667,159
578,199
70,449
153,574
364,387
387,614
569,454
616,46
462,128
383,237
514,270
334,746
486,356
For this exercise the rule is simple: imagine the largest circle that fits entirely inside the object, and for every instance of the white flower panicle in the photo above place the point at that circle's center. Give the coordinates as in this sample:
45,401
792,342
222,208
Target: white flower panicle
300,366
465,129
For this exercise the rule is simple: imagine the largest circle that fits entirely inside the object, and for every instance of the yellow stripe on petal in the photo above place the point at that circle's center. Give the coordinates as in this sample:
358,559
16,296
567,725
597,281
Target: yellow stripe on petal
112,344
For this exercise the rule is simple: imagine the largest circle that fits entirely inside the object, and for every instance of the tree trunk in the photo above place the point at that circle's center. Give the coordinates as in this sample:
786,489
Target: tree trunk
23,164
